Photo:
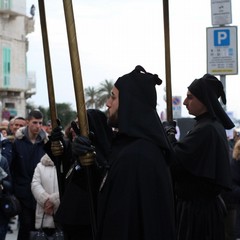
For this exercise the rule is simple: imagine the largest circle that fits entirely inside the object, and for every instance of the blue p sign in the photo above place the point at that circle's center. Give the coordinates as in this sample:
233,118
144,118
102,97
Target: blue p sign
222,37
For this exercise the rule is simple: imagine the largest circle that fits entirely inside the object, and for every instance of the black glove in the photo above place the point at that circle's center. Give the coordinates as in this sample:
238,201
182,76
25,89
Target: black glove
82,145
57,132
84,151
56,140
170,127
57,148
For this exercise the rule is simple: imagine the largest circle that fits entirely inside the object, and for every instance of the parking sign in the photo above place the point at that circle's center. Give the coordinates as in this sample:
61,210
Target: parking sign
222,50
221,37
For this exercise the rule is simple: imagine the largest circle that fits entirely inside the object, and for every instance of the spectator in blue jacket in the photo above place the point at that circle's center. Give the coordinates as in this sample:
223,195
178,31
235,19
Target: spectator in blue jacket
6,148
28,149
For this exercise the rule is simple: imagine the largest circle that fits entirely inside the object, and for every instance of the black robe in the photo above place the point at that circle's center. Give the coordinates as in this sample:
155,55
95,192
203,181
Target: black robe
201,173
73,213
136,200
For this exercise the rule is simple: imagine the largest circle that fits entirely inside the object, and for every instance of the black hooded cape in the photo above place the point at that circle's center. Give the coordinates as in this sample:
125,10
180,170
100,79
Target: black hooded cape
202,168
74,207
136,198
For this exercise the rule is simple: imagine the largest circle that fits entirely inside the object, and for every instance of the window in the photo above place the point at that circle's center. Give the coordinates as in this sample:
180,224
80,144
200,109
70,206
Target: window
5,4
9,105
6,66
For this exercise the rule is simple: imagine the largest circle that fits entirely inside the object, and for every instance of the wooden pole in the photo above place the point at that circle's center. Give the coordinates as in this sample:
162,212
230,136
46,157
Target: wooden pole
167,60
48,68
88,159
51,96
76,68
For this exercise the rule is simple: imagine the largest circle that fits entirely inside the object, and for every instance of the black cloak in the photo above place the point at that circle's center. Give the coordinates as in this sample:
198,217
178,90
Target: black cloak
74,207
136,198
202,168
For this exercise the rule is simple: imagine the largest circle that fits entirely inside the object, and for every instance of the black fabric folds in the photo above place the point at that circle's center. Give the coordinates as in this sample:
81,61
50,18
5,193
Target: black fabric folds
208,89
137,109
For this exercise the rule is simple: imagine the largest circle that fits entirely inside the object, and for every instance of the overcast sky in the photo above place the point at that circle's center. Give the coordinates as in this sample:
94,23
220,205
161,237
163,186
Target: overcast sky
116,35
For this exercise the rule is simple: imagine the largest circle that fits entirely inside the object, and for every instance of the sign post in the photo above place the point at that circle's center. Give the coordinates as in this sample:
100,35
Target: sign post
222,42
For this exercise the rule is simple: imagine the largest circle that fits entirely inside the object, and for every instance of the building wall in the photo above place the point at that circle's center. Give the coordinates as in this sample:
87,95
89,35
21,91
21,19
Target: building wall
14,28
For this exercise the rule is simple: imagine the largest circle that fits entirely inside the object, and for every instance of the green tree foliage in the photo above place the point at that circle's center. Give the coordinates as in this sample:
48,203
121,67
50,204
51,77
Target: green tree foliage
104,92
64,113
94,98
31,106
97,97
91,97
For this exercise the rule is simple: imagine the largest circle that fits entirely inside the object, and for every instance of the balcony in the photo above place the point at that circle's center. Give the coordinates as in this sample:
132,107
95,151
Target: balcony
12,8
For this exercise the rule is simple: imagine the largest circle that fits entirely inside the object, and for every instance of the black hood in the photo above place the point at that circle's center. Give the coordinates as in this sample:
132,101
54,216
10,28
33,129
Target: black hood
137,115
208,89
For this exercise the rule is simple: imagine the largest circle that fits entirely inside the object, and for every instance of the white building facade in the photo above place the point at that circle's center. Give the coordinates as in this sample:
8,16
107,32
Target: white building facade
16,83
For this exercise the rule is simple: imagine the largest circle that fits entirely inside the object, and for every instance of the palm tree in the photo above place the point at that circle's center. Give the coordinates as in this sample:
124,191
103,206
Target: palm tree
104,92
91,97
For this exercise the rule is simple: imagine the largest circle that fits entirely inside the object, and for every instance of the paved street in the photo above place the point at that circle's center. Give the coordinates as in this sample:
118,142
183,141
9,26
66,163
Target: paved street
13,236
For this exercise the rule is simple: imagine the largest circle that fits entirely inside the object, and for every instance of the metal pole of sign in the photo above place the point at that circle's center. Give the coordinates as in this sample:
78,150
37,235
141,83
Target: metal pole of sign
167,60
221,13
88,159
223,80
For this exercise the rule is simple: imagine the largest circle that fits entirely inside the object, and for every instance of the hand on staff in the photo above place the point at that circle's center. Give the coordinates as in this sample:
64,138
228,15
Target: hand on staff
170,127
48,207
81,144
57,138
57,132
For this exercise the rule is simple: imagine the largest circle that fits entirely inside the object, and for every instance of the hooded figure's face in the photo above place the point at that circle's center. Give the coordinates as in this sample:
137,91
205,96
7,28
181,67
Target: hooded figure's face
208,89
112,104
194,106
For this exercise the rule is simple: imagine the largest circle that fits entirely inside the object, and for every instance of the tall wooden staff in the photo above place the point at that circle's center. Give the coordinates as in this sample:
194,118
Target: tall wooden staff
88,159
167,60
48,66
51,96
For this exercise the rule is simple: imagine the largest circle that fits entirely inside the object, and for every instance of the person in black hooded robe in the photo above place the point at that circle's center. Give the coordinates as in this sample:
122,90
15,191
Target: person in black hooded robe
202,168
136,196
73,214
